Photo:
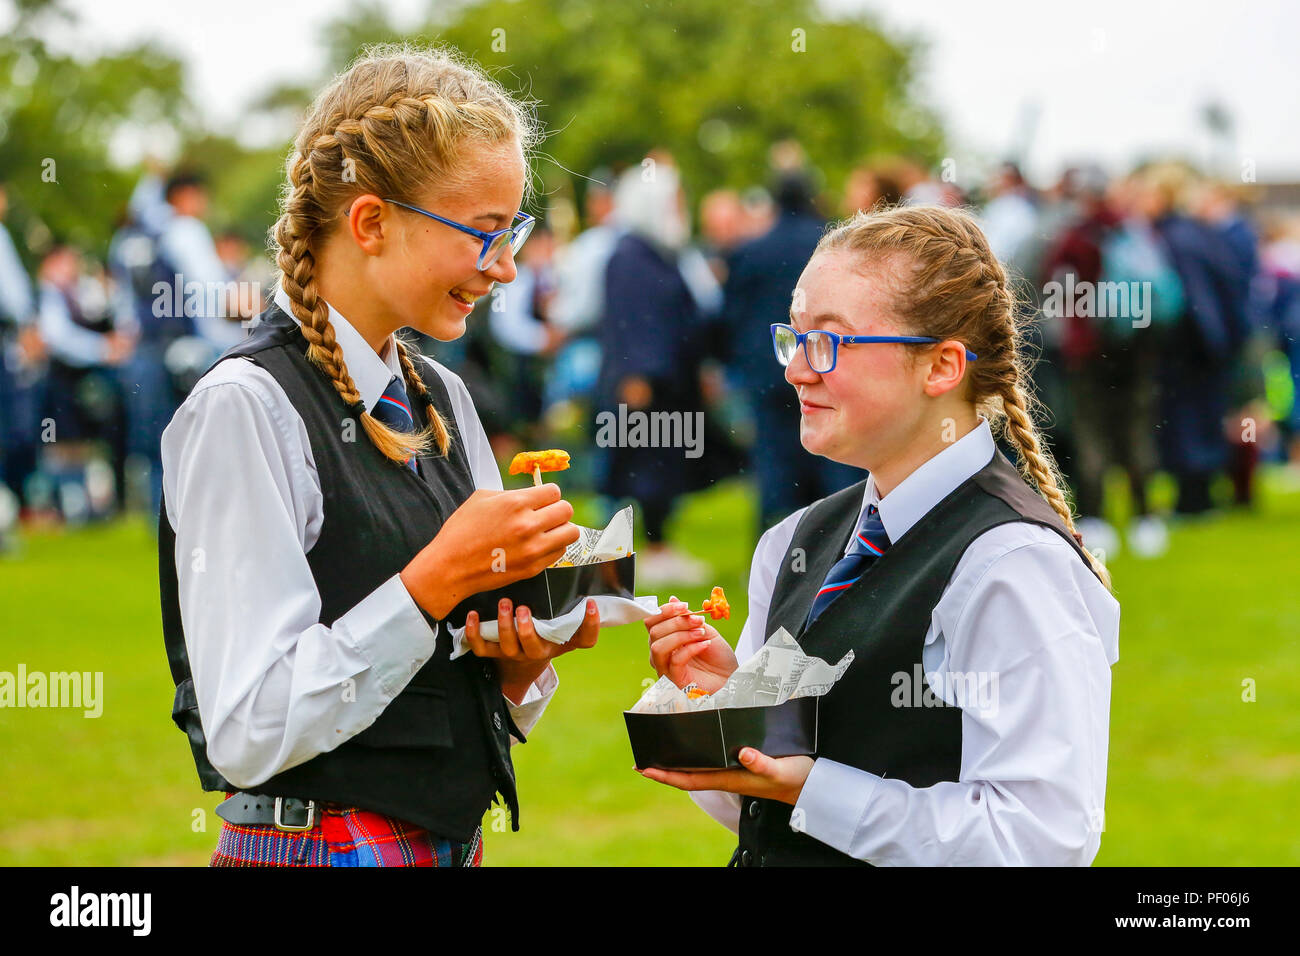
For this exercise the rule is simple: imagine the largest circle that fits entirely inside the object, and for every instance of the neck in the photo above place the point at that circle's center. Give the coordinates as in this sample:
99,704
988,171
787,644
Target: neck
933,438
352,300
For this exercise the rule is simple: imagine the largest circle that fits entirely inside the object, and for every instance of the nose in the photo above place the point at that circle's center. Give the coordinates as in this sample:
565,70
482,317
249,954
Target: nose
799,372
503,270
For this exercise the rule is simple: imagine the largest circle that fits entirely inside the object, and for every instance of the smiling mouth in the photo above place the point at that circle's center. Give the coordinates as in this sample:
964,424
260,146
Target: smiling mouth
469,298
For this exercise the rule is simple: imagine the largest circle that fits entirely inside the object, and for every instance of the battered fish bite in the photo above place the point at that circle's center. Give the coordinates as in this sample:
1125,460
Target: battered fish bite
532,462
717,605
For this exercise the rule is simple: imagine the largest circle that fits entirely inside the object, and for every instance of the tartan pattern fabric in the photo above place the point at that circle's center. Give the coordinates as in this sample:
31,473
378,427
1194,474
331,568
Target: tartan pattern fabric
343,836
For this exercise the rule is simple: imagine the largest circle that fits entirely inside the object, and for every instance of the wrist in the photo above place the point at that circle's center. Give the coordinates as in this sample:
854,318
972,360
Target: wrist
517,677
429,567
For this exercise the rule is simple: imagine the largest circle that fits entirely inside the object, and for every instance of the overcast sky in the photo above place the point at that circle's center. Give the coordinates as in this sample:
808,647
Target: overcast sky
1107,79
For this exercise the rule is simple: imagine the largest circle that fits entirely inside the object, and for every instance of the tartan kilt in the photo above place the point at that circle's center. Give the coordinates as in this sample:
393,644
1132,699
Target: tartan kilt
343,836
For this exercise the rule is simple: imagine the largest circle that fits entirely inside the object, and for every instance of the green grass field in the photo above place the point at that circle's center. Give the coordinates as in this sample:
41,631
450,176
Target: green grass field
1197,776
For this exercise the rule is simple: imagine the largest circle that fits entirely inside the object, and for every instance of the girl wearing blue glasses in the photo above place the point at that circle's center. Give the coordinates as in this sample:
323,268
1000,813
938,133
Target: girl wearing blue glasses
972,726
330,496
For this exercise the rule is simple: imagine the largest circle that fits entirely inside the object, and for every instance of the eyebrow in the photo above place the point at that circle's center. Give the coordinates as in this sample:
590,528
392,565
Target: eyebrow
497,218
823,318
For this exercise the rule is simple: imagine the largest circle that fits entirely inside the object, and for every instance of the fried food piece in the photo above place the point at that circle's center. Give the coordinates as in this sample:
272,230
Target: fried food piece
526,462
717,605
694,693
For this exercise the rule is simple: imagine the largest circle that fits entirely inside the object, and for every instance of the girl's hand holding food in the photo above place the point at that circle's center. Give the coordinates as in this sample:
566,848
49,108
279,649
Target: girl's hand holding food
687,650
495,538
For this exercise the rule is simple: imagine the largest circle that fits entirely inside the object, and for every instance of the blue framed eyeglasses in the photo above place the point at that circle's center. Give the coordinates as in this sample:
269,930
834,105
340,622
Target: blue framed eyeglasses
494,243
822,348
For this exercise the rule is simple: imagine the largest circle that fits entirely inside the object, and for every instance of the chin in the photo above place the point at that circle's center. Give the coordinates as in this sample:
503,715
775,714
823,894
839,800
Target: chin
446,331
812,442
445,325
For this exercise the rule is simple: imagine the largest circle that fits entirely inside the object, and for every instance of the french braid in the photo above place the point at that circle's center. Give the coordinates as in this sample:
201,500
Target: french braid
949,285
394,123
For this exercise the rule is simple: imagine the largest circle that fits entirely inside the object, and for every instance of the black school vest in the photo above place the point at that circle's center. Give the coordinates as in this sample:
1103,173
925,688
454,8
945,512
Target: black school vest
440,750
883,618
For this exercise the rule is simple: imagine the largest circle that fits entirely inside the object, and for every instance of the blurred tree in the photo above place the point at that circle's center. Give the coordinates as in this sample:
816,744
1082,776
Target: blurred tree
714,81
59,116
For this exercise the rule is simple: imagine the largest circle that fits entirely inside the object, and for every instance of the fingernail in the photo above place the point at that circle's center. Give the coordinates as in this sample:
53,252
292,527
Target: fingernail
523,614
591,607
697,618
471,617
504,606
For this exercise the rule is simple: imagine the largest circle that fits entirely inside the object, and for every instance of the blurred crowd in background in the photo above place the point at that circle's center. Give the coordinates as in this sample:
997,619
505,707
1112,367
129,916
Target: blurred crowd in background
640,297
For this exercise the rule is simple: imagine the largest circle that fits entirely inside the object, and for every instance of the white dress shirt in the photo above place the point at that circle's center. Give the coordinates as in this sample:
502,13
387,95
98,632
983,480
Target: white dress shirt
511,317
187,244
1020,609
15,288
69,342
580,276
275,686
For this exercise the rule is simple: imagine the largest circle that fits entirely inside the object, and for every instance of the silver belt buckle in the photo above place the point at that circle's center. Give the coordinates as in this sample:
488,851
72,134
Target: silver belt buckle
281,825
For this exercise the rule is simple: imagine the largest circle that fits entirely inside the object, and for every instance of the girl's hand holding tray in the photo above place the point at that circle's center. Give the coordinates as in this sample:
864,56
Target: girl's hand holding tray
545,612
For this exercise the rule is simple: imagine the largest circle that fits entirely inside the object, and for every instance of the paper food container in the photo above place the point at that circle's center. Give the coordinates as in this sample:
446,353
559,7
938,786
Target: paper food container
712,739
771,702
555,591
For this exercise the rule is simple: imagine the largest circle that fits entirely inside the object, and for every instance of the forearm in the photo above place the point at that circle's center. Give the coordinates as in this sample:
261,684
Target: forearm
325,685
888,822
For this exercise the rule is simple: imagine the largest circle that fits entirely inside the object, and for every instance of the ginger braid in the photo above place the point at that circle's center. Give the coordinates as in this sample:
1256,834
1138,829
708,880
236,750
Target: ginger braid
949,285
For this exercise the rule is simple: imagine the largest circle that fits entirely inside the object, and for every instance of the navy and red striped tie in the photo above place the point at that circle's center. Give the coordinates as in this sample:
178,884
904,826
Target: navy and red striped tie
394,410
869,543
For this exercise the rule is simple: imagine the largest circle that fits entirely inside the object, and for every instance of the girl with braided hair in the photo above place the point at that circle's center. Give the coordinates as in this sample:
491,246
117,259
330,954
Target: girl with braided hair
330,496
972,726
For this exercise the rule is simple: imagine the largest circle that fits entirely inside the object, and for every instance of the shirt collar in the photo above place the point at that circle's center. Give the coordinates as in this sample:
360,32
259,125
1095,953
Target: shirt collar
932,482
370,373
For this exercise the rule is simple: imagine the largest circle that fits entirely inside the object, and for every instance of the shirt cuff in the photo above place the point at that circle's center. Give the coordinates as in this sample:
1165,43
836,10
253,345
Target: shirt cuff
833,802
392,633
528,711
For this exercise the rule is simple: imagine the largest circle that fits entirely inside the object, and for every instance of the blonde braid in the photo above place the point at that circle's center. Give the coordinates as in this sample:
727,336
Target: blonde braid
415,384
392,125
298,279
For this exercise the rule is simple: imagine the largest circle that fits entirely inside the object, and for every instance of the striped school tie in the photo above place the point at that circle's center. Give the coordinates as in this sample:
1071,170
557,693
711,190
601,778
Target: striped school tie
869,543
394,410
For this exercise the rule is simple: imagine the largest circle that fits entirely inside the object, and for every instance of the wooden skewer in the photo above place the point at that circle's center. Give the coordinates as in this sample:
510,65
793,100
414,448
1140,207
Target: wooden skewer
537,475
702,610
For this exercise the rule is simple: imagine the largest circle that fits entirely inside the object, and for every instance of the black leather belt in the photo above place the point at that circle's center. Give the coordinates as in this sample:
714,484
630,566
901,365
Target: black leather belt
284,813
